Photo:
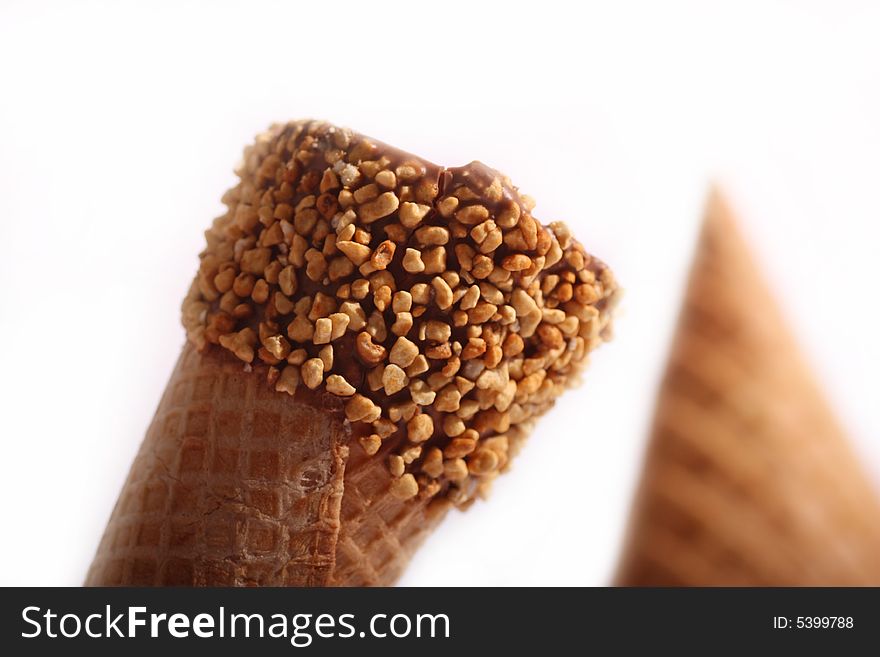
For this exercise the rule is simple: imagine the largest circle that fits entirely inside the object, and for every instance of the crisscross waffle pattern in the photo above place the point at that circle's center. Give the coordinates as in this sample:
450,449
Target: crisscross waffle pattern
238,485
235,484
379,533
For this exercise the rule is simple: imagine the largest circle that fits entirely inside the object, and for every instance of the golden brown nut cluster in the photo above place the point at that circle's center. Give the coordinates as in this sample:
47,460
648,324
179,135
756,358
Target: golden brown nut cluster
429,299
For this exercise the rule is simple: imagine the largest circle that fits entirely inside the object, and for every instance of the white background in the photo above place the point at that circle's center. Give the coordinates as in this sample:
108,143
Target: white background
120,125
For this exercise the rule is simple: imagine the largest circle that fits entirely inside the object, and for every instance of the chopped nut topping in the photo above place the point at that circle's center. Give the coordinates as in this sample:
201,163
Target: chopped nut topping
482,462
394,379
433,463
288,380
442,293
381,207
339,386
418,366
402,324
412,261
516,262
366,193
402,302
277,346
404,488
420,428
260,292
338,323
371,443
241,344
410,454
383,254
323,331
300,329
287,280
357,253
472,214
404,352
326,356
455,469
412,213
396,465
369,352
356,317
438,331
477,325
361,408
313,372
434,260
387,179
255,261
432,235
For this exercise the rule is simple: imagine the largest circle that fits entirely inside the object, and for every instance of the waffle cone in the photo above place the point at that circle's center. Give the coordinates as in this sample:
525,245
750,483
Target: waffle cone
749,479
236,484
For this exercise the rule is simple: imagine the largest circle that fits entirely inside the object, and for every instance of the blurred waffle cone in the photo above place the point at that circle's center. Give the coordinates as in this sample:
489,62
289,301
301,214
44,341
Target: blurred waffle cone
749,479
236,484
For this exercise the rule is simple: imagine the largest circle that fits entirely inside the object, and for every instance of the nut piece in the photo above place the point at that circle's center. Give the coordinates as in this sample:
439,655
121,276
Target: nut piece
361,408
337,385
313,372
357,318
405,487
442,293
325,353
403,353
241,344
381,207
418,366
278,346
472,214
516,262
300,329
438,331
338,323
483,461
323,331
421,394
433,463
396,465
255,260
383,254
387,179
523,304
435,260
432,235
357,253
402,302
371,443
412,261
412,213
402,324
420,428
369,352
455,469
394,379
288,380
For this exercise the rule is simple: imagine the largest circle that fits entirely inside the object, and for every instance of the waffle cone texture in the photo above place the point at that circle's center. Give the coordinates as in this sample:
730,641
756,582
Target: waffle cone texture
749,479
238,485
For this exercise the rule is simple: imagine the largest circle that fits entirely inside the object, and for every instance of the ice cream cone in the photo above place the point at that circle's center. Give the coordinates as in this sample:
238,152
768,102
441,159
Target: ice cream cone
749,479
370,337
